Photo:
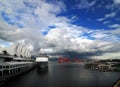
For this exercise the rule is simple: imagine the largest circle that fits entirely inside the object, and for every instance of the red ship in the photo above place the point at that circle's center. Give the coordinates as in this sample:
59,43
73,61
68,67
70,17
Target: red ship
61,60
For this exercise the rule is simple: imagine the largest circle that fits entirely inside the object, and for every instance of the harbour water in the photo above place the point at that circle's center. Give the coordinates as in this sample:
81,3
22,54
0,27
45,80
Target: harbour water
64,75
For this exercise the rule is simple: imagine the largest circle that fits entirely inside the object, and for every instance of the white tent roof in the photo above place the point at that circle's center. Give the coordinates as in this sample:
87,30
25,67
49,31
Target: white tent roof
18,50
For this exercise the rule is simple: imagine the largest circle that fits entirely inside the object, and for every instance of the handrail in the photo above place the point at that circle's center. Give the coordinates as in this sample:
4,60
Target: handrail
117,83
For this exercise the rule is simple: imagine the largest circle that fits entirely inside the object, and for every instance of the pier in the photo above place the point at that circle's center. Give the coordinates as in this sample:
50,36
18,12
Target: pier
10,69
15,61
104,67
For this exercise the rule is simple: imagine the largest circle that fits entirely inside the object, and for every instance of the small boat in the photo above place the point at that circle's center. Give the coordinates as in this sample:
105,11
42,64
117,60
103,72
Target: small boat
42,62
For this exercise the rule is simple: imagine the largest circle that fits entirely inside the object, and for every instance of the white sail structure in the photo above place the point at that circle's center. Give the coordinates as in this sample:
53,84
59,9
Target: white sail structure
26,51
17,50
12,50
23,52
29,54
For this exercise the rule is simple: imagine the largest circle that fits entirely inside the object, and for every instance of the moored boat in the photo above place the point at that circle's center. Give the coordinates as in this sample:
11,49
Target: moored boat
42,62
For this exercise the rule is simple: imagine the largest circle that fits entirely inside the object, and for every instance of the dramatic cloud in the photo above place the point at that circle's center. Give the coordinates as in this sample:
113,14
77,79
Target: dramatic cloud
112,53
71,39
29,13
43,27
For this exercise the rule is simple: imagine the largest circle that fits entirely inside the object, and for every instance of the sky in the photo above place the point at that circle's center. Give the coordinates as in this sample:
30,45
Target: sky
72,28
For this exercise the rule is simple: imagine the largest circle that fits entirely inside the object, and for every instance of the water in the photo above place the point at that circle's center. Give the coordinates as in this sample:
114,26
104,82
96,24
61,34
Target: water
65,75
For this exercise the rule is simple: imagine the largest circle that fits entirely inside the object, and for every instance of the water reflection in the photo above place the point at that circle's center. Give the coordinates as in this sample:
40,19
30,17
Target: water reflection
74,75
65,75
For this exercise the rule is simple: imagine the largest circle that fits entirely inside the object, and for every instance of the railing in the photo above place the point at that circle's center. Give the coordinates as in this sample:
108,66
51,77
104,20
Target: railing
117,84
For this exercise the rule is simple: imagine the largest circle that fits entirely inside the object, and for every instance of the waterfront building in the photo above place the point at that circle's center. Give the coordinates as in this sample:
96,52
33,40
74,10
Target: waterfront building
14,60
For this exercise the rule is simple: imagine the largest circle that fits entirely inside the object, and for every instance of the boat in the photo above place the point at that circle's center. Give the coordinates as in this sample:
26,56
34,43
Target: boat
42,62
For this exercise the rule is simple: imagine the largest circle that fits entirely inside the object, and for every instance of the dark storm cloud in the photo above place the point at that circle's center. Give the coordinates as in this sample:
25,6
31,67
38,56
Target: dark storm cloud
84,55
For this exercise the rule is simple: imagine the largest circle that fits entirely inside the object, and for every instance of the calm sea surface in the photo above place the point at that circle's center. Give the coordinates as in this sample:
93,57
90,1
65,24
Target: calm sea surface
65,75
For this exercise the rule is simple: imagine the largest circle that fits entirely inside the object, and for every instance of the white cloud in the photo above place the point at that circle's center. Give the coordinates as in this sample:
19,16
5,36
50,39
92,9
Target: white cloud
116,1
114,26
65,37
47,13
111,15
112,52
116,31
38,15
33,25
85,4
62,39
108,56
46,50
100,19
74,17
114,7
33,14
100,35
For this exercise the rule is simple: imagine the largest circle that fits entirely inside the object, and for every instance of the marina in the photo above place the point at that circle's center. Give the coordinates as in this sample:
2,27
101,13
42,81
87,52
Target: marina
59,43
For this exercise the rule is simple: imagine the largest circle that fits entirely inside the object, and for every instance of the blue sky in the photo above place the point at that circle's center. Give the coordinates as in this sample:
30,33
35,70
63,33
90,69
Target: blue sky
83,12
60,26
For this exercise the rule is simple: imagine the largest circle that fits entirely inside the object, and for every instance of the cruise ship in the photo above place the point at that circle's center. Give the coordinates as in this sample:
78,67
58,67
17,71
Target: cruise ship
42,62
14,60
